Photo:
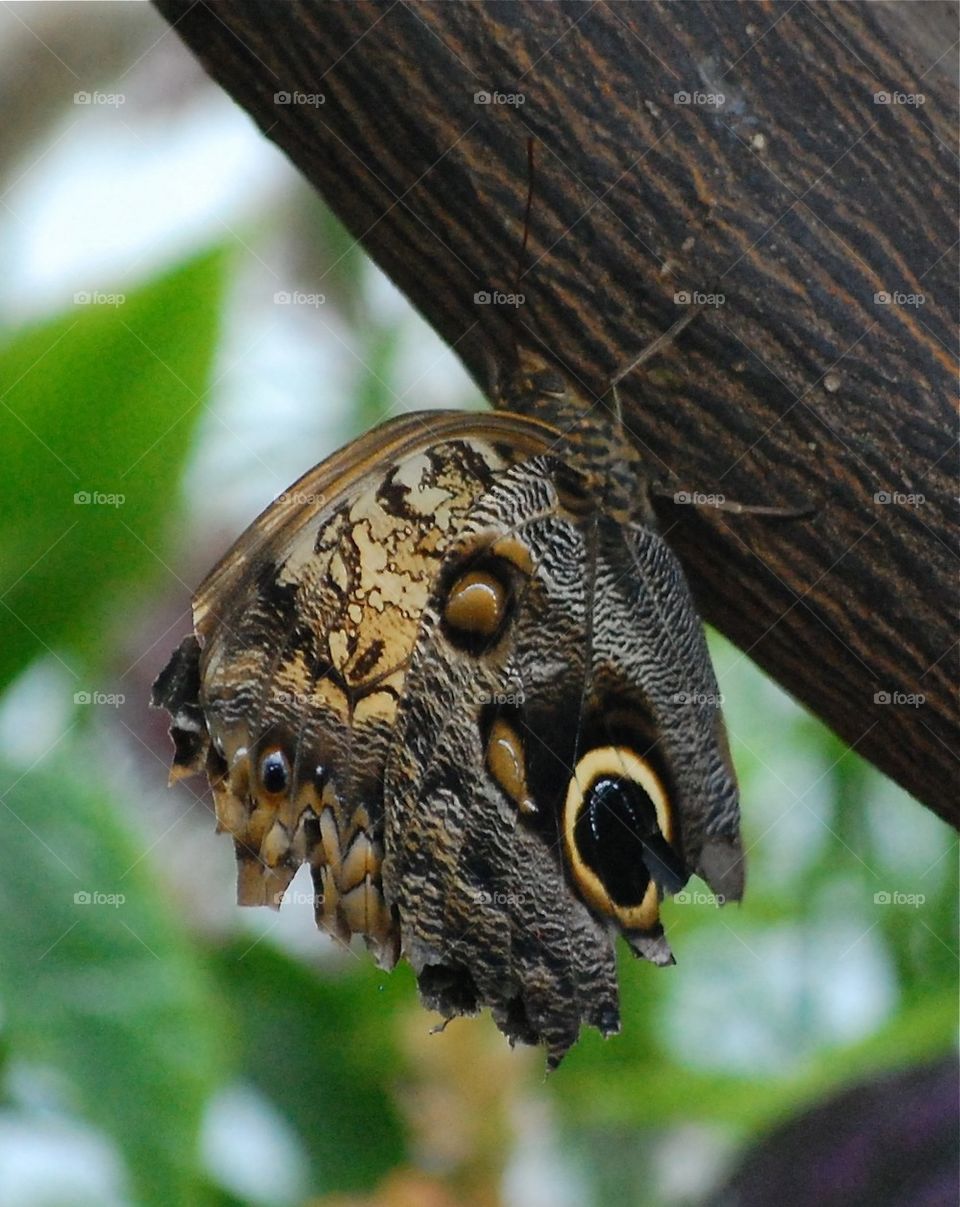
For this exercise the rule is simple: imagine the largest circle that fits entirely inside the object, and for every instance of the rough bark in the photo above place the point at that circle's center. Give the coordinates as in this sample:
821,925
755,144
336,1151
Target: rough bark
799,199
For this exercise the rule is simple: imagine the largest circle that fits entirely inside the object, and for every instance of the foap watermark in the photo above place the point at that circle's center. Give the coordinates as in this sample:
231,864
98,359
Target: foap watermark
296,297
312,100
898,297
110,699
912,99
98,498
496,297
95,897
298,897
692,896
709,100
902,699
483,97
295,699
514,698
714,699
484,898
697,498
895,897
301,498
97,297
694,297
899,498
112,100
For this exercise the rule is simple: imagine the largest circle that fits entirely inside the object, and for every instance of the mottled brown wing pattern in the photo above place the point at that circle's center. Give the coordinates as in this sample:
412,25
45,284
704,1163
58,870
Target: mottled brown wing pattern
494,905
474,865
456,671
287,693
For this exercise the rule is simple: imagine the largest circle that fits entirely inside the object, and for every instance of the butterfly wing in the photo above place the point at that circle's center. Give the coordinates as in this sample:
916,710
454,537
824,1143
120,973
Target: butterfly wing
287,690
669,656
548,782
485,741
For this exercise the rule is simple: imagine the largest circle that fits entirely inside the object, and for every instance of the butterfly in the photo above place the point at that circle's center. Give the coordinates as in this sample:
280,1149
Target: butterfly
457,671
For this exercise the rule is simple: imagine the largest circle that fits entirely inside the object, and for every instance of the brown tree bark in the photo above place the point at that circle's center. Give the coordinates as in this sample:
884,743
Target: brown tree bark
800,198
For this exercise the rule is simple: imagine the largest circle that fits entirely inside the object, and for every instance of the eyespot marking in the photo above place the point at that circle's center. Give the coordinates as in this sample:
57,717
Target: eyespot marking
617,829
514,551
506,762
274,771
476,604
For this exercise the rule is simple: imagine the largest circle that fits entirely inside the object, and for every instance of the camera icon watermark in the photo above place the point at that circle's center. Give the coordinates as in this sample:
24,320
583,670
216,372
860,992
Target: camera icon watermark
898,297
98,498
697,897
709,100
697,498
85,897
312,100
902,699
97,297
497,898
513,99
301,498
510,699
296,297
112,100
713,699
694,297
496,297
299,897
894,897
911,99
899,498
110,699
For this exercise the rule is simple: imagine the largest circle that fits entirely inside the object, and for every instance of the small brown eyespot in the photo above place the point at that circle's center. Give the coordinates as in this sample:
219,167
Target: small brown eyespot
274,771
506,762
476,604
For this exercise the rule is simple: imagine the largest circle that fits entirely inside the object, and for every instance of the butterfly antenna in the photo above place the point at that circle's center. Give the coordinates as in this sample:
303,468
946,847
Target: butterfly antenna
663,340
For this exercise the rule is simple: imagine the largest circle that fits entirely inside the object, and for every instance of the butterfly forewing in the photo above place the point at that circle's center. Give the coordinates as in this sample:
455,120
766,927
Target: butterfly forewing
304,632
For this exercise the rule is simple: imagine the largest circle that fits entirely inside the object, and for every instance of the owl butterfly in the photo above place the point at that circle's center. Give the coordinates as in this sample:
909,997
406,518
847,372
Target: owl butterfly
456,670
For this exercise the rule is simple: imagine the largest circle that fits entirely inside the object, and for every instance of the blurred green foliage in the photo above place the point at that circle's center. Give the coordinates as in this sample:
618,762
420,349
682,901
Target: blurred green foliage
143,1019
100,404
110,993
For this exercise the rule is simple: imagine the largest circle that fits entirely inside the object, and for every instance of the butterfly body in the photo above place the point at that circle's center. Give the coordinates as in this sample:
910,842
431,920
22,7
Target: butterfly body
457,671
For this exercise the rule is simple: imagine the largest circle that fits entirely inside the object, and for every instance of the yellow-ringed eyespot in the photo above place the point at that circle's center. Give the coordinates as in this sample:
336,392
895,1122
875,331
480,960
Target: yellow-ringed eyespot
274,771
617,831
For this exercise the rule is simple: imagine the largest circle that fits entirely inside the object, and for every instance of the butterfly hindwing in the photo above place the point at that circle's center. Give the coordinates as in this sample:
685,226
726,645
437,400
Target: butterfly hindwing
481,758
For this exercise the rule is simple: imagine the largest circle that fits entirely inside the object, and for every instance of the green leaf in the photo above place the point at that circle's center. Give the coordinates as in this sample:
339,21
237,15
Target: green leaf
99,404
322,1049
107,992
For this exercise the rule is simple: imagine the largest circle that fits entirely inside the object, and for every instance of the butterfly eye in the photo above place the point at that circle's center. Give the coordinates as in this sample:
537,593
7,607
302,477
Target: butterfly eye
617,828
476,606
274,771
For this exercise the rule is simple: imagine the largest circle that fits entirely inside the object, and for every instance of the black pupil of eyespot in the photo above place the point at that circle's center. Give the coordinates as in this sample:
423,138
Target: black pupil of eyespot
274,772
618,837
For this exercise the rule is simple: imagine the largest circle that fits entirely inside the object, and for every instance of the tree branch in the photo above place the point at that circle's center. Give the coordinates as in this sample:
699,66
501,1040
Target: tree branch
799,199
